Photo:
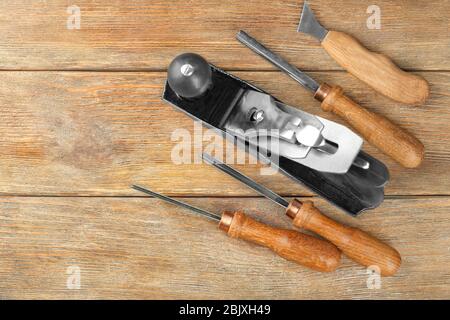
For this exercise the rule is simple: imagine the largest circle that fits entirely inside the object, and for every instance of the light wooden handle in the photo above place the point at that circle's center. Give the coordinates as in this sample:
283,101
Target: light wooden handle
377,130
375,69
303,249
356,244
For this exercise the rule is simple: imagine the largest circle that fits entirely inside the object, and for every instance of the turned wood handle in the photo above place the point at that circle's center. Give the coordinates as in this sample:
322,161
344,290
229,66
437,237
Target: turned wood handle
377,130
356,244
303,249
375,69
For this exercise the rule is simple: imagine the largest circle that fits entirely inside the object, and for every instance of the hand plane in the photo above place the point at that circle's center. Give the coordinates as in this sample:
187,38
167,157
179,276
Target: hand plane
321,154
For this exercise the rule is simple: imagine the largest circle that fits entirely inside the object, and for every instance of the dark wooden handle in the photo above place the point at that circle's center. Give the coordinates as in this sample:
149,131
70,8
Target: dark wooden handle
389,138
303,249
356,244
375,69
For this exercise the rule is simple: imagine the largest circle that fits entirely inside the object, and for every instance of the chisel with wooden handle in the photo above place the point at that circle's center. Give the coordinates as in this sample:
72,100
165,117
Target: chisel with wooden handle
375,69
356,244
377,130
303,249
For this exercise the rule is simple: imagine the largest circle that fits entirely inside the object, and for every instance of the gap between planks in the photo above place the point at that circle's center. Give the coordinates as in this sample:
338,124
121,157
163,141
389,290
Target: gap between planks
186,196
118,70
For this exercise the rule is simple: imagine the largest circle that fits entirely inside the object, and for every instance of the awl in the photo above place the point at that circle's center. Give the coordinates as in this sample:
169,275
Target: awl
303,249
377,130
356,244
375,69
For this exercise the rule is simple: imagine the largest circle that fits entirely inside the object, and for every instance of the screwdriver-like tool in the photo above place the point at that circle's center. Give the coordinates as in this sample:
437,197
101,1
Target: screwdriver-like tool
377,130
298,247
356,244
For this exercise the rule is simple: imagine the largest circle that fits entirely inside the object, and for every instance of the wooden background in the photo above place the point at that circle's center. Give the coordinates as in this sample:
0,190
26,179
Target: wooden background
82,119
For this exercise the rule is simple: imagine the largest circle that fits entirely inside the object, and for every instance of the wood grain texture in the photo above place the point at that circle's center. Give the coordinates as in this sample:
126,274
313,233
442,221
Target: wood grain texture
146,35
143,248
379,131
356,244
316,254
89,135
83,133
376,69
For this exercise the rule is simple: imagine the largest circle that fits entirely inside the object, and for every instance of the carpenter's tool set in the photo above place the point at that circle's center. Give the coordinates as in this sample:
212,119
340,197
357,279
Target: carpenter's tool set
319,153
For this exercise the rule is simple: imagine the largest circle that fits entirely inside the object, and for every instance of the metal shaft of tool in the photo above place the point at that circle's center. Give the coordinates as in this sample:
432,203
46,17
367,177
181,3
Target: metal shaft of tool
178,203
279,62
246,180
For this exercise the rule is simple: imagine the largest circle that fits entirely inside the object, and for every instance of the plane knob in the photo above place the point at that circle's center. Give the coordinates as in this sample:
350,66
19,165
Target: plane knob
189,75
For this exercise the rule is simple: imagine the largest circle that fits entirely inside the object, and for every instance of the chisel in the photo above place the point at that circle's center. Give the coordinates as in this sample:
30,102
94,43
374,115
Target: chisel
303,249
375,69
356,244
377,130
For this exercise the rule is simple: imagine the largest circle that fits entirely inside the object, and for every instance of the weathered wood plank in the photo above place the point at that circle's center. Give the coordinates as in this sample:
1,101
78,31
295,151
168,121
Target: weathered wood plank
83,133
144,35
141,248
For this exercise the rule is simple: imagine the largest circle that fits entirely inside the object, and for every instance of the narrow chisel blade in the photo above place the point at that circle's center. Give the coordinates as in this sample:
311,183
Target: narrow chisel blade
277,61
246,180
178,203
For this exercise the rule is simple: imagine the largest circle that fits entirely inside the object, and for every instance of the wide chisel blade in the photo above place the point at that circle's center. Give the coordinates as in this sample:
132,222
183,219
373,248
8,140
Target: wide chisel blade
309,24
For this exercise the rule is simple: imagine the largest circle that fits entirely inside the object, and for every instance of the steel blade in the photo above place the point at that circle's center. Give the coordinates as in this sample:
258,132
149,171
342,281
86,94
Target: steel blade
292,71
309,24
246,180
178,203
277,61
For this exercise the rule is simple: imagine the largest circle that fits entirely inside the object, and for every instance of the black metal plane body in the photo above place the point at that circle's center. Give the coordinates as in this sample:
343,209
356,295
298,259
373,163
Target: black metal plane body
352,191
